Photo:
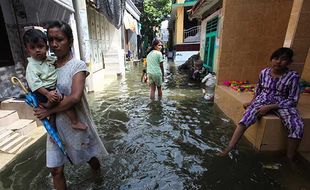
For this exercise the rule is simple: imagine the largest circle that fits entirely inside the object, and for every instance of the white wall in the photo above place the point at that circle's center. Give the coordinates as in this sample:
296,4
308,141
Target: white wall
182,56
203,38
106,45
133,42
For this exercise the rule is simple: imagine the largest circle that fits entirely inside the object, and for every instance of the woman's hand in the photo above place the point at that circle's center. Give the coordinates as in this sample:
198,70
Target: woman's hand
41,113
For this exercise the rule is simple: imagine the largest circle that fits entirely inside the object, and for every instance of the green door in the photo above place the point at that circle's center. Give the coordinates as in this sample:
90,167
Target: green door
211,32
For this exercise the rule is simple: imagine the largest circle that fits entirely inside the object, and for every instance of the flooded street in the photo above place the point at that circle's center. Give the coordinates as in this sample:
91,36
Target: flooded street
168,144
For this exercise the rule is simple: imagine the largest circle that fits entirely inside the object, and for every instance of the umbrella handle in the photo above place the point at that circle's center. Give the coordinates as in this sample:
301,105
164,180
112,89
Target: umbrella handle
31,100
17,82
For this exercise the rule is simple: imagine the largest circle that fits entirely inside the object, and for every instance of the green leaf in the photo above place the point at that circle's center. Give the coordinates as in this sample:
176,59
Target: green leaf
153,13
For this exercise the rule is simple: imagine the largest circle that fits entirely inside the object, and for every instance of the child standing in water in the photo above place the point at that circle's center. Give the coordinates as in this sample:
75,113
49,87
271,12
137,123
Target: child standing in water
155,69
41,74
277,91
144,75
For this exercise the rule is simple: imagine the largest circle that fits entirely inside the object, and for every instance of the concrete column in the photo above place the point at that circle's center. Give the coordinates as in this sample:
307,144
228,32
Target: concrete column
306,72
76,48
179,24
84,39
300,37
121,55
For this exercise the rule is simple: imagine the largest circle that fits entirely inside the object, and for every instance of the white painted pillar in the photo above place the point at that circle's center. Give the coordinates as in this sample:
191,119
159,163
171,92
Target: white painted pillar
121,57
84,39
76,48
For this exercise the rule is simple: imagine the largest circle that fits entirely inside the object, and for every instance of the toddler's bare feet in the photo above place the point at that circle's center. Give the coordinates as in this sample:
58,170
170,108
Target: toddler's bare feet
79,126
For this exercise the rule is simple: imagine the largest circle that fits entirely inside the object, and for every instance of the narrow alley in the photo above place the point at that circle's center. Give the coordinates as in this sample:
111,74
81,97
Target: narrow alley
167,144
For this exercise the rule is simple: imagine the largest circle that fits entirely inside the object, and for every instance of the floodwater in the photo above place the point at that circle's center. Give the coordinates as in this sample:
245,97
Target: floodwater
169,144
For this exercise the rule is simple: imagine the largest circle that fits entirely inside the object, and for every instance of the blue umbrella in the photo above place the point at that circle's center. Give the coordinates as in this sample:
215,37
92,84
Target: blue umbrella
31,100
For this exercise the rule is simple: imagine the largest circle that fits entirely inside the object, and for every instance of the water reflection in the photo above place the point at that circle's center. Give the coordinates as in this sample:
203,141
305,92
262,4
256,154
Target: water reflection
167,144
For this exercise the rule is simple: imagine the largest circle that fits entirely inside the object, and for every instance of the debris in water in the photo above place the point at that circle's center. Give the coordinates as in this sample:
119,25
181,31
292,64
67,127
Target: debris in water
272,166
226,120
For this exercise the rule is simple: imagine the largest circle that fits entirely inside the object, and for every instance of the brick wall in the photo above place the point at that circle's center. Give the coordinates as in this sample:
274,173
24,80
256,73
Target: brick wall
251,31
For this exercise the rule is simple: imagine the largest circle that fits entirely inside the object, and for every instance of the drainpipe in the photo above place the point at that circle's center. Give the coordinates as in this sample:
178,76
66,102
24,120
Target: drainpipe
80,8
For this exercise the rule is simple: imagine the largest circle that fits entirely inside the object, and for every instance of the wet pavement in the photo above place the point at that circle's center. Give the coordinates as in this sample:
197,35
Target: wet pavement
167,144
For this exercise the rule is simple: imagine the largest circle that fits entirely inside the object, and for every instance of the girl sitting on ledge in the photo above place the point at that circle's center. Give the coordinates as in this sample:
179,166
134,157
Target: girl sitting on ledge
278,92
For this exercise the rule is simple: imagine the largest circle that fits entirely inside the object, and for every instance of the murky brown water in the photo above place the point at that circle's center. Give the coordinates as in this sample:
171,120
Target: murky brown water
168,144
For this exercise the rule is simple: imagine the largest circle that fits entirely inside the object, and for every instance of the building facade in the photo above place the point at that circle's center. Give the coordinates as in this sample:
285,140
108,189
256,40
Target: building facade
14,16
209,13
97,39
100,43
185,32
132,26
245,38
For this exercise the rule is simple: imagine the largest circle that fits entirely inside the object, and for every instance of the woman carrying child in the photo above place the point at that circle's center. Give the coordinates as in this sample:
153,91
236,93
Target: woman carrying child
278,92
82,145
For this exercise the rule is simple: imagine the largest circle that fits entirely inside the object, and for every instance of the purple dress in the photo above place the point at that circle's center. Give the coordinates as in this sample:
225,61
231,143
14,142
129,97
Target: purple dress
284,91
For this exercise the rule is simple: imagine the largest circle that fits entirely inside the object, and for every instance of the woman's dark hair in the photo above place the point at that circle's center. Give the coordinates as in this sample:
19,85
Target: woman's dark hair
34,36
282,52
64,27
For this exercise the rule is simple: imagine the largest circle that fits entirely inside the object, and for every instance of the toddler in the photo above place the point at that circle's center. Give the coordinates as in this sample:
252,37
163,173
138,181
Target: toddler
41,74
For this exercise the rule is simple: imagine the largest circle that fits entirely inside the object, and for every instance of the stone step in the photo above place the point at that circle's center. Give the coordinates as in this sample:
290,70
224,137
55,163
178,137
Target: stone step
7,117
25,142
22,126
4,133
13,142
8,139
24,111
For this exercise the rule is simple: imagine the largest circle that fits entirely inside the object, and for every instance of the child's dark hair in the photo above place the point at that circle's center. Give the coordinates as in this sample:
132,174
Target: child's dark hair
63,26
155,42
283,52
34,36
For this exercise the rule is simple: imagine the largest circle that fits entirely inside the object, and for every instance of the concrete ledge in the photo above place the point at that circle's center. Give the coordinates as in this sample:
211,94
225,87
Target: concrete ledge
24,111
5,158
267,134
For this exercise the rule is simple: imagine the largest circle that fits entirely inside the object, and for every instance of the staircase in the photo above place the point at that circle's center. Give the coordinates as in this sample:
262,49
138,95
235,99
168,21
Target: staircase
14,132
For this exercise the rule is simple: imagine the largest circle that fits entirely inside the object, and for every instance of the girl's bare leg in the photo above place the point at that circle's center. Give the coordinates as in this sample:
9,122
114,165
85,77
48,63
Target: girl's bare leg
152,91
292,145
160,92
142,77
239,131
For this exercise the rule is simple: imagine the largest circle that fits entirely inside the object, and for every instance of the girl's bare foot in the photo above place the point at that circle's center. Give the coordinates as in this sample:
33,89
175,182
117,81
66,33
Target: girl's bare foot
224,152
79,126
